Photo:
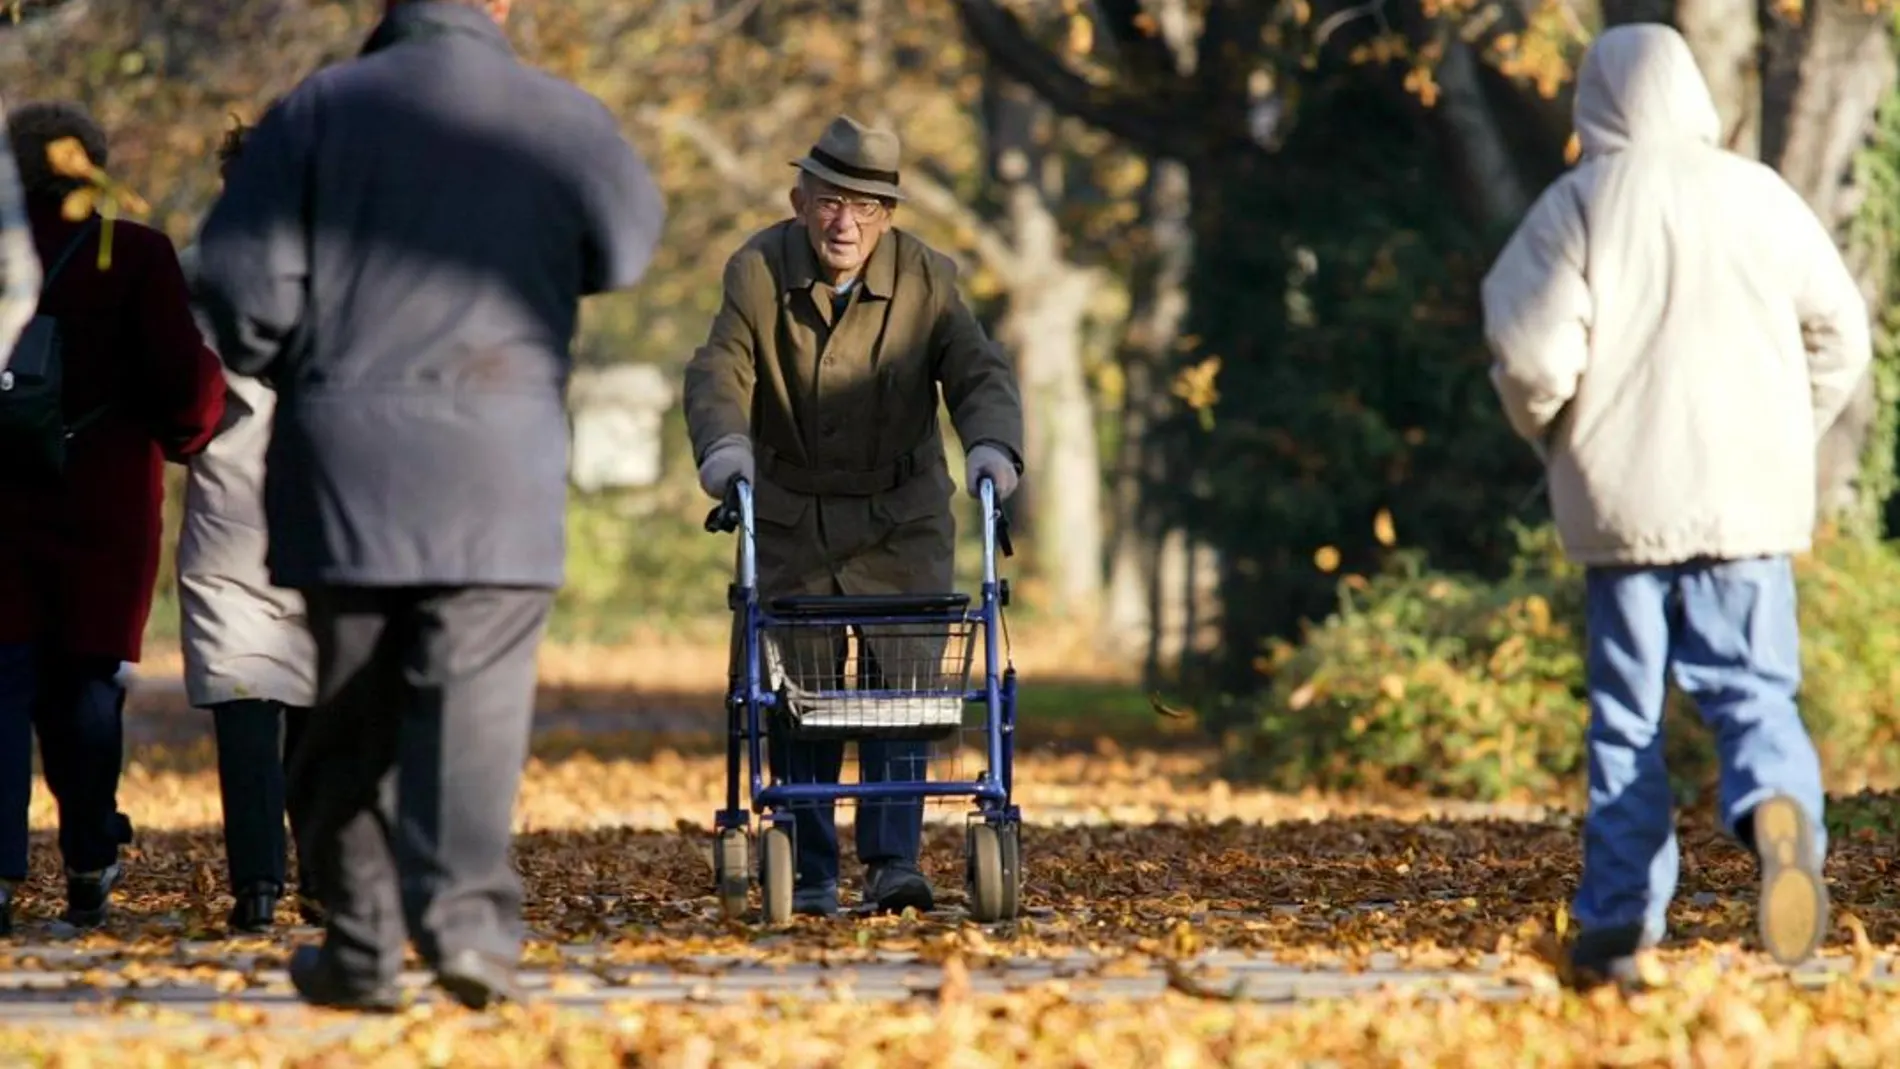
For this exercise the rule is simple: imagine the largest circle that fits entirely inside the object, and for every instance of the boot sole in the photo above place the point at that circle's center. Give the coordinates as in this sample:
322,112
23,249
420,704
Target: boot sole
1792,913
319,988
917,898
474,992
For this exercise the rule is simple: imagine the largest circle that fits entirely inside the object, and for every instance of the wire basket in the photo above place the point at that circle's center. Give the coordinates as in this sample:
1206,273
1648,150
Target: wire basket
906,680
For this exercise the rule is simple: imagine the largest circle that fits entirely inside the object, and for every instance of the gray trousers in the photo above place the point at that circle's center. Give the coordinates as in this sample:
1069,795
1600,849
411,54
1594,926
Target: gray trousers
410,765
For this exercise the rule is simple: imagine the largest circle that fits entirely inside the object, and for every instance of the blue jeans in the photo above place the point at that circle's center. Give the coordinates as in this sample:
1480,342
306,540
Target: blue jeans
1727,631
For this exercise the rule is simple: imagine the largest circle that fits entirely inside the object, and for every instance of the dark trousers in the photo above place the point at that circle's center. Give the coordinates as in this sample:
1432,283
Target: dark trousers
410,766
77,708
257,738
887,830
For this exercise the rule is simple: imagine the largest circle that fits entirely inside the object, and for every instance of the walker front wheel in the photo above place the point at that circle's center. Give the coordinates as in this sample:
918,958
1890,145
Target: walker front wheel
994,873
775,877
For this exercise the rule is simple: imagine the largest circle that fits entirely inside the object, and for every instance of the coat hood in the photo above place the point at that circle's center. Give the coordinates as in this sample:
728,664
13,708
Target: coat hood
1640,83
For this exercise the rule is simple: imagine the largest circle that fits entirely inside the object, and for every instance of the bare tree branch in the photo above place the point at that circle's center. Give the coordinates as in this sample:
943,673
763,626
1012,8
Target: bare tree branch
1159,129
926,193
707,142
940,203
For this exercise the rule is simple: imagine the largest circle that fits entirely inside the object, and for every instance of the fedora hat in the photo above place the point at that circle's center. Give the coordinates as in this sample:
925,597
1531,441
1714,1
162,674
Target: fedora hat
853,156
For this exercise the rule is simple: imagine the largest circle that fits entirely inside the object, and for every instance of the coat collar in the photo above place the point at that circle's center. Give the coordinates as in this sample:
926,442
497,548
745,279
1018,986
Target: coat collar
878,278
423,19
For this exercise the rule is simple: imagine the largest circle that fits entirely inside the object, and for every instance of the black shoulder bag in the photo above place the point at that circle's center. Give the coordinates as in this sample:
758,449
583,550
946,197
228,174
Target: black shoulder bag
33,425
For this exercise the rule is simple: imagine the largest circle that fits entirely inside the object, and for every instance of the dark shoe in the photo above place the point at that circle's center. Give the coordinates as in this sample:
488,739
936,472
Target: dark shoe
6,907
895,886
256,908
1792,912
317,979
477,980
89,895
819,900
1606,956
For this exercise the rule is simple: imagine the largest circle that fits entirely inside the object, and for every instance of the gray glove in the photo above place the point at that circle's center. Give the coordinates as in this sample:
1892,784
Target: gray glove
729,458
987,460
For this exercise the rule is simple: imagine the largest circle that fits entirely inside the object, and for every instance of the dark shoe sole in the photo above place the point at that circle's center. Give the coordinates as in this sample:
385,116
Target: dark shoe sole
253,916
86,918
473,992
1622,974
916,897
319,985
476,982
1792,912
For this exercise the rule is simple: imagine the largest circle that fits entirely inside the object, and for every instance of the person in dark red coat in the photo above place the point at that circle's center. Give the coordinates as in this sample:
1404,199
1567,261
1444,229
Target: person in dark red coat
79,553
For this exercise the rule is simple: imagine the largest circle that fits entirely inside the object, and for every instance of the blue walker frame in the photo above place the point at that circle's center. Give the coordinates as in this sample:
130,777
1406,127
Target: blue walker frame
993,868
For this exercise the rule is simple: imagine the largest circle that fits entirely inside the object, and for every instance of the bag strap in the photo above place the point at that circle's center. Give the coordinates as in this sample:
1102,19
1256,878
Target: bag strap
72,247
46,286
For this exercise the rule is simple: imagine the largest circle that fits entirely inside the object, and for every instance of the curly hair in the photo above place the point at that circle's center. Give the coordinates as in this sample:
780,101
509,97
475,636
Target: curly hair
231,145
32,127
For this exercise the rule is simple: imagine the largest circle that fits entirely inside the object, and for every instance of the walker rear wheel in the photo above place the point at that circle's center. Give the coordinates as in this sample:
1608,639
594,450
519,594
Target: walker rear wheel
732,872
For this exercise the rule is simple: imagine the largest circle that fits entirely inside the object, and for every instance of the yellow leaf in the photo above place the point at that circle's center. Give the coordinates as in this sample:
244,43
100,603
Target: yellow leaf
1081,35
1383,530
1326,559
1302,697
1392,685
68,158
1573,149
78,204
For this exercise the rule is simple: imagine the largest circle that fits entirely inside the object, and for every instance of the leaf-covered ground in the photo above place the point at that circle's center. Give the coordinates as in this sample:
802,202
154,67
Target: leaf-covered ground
1141,862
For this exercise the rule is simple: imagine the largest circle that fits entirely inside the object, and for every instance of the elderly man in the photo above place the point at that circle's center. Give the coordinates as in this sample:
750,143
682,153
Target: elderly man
19,262
819,384
1674,332
401,249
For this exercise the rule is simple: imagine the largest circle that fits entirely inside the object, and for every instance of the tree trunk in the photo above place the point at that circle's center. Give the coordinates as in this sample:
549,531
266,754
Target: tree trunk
1048,305
1477,142
1131,621
1822,83
1726,41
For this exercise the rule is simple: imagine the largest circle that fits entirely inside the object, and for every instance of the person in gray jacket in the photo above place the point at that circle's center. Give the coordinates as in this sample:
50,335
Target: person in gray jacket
401,250
249,656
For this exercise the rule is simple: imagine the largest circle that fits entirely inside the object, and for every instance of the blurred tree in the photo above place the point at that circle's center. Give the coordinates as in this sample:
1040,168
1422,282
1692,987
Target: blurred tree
1352,167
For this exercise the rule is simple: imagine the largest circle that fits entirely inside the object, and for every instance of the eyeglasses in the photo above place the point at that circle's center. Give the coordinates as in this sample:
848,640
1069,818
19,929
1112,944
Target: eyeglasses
864,211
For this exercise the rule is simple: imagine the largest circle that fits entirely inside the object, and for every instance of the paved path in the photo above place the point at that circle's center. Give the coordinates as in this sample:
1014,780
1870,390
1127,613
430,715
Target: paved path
232,990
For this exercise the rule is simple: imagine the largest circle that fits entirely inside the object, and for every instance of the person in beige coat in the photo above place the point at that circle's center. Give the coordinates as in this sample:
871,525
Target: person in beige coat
1674,330
249,656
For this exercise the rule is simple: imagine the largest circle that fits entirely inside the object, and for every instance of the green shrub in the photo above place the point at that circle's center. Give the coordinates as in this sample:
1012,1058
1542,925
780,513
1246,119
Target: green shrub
1455,686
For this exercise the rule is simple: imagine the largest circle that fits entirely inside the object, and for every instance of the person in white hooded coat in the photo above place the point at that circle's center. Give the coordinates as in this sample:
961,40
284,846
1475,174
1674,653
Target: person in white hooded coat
1674,329
249,655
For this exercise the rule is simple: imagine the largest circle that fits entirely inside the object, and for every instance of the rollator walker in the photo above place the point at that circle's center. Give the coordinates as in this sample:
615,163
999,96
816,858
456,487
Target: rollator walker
858,668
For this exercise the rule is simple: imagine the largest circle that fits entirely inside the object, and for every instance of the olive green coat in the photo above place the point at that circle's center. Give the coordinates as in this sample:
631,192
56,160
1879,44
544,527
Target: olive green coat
853,495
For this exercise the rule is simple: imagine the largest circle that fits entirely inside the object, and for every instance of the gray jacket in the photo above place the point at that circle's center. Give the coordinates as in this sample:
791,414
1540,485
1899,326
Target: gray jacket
400,251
